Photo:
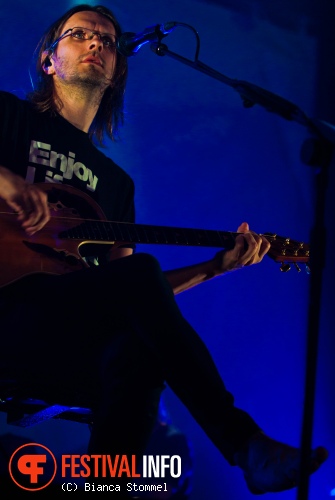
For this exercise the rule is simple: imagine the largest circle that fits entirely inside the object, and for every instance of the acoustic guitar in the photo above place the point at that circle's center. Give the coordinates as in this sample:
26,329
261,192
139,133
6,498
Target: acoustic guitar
77,220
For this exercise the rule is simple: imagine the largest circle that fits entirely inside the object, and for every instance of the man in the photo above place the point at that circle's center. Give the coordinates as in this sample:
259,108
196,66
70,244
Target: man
115,327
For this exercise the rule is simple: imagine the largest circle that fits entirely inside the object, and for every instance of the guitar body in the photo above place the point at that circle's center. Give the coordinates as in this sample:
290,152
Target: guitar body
45,251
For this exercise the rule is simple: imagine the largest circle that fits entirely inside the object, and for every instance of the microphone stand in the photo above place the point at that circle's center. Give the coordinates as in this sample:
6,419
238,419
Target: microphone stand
317,151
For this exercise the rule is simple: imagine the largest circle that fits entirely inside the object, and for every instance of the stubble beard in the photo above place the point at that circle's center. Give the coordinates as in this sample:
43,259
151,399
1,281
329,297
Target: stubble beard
90,83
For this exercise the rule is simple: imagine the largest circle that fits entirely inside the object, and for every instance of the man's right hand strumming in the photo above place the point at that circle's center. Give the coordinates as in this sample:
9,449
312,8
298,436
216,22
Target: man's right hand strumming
26,199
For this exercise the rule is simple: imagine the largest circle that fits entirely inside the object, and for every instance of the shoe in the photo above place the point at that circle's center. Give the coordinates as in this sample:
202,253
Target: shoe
270,466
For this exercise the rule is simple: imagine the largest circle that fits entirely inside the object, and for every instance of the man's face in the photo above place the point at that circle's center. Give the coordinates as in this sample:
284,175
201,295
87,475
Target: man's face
84,62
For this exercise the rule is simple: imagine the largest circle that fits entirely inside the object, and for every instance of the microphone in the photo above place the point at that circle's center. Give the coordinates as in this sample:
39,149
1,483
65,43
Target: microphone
128,43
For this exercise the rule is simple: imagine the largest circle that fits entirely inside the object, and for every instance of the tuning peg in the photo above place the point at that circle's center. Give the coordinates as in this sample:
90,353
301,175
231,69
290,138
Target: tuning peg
284,267
297,267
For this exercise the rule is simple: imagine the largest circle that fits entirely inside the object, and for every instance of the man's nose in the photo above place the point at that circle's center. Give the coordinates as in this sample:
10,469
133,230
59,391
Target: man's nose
96,42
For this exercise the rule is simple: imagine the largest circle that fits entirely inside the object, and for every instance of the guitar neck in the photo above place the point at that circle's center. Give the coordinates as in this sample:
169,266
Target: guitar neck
282,250
125,232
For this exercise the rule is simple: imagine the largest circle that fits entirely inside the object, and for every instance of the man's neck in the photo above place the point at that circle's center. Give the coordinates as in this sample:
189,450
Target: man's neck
79,106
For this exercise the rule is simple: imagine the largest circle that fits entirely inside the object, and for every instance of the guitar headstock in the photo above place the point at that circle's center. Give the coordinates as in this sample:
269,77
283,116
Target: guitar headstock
286,251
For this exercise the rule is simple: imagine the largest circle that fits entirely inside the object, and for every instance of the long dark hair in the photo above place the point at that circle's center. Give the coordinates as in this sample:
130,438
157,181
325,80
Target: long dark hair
110,115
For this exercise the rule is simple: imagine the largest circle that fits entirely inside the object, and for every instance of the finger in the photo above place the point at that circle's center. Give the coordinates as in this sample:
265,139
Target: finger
243,228
22,203
265,247
252,247
17,208
258,246
23,207
37,211
240,246
237,254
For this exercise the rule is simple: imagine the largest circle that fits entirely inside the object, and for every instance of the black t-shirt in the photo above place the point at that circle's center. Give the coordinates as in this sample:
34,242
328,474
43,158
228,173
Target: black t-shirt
46,148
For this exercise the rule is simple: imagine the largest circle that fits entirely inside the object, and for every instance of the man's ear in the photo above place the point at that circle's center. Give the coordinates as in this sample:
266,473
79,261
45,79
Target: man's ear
47,62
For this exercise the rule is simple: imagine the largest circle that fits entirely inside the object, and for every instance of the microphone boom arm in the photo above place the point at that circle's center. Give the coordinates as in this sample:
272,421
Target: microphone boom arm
250,94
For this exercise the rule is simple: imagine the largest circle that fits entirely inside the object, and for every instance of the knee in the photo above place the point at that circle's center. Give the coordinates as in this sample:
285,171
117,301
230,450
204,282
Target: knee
147,270
147,263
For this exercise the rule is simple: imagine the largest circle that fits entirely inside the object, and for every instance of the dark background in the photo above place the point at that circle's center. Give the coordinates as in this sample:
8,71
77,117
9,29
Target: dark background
200,159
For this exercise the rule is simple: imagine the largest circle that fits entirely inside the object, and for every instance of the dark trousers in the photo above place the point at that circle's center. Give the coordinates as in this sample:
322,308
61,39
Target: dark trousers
115,335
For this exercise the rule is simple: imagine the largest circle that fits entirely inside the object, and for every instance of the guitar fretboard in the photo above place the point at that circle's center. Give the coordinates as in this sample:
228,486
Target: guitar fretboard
106,231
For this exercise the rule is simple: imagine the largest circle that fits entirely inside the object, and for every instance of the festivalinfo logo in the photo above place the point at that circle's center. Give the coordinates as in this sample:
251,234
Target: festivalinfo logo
33,467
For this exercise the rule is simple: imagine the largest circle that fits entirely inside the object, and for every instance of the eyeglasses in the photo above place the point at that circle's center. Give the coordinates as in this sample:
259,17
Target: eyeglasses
79,33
